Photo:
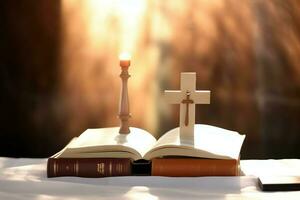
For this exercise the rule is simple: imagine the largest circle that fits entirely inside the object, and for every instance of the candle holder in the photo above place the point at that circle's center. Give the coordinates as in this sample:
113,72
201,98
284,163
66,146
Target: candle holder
124,114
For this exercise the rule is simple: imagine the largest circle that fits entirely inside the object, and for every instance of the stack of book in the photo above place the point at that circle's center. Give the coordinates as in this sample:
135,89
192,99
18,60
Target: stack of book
104,152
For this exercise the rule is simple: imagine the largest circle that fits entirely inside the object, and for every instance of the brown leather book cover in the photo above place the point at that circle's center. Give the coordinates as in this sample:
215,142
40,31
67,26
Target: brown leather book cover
194,167
88,167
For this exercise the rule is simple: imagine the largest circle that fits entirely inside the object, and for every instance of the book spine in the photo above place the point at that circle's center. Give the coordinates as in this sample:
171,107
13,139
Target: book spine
88,167
193,167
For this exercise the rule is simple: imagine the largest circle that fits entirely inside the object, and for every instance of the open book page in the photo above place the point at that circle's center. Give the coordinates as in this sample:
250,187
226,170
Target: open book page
209,142
58,154
107,142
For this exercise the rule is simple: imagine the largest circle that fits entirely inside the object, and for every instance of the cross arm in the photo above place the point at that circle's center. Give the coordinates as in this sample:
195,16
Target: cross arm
201,97
173,96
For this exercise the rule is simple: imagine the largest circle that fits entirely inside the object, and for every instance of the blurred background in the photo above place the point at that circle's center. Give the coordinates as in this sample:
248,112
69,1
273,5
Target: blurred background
60,70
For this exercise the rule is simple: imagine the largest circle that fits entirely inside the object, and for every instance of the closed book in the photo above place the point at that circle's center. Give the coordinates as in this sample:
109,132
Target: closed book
279,183
194,167
88,167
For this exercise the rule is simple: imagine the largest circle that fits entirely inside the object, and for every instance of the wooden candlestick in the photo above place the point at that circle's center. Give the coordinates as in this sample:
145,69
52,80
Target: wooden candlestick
124,114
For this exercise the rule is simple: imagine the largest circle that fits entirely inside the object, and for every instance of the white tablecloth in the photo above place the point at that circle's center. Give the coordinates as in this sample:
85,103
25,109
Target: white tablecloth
26,179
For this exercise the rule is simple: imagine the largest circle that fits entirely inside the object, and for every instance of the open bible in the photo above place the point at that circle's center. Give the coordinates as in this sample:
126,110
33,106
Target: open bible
209,142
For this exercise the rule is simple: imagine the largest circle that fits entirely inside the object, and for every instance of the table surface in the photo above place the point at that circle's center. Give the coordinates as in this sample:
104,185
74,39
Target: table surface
26,179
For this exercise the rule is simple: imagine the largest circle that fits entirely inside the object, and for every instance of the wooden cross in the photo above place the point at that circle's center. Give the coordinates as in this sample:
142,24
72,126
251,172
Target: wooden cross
187,97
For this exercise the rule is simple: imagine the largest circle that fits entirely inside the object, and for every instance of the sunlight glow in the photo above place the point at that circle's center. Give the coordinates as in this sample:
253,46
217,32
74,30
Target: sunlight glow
102,17
20,173
140,192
